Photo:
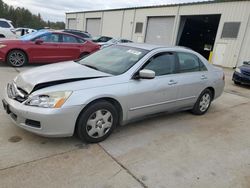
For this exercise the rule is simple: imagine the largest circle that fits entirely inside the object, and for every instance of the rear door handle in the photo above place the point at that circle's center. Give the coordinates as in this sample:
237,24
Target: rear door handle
203,77
172,82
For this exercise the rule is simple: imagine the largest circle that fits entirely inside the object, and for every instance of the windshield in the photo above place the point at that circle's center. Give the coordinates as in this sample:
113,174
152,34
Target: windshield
114,60
246,63
33,35
112,41
101,39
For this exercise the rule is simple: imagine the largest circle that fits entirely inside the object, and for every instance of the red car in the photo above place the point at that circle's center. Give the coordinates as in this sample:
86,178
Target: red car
45,47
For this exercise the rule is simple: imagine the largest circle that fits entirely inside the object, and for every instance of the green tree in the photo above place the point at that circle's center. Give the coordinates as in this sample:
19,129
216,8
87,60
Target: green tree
22,17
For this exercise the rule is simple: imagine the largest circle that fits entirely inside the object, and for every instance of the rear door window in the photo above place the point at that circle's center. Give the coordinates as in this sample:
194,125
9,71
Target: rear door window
70,39
189,63
50,37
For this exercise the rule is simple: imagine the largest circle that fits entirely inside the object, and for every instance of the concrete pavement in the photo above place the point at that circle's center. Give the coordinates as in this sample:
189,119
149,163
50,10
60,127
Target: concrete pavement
171,150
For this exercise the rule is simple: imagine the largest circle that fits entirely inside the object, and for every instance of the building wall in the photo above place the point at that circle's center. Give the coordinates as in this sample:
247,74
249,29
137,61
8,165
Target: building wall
128,24
245,46
230,12
121,23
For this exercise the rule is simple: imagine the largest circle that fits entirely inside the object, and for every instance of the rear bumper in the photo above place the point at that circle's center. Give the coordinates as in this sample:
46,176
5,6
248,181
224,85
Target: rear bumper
241,78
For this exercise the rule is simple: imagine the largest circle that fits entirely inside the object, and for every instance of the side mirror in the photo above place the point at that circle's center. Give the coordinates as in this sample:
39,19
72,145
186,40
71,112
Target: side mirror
146,74
38,41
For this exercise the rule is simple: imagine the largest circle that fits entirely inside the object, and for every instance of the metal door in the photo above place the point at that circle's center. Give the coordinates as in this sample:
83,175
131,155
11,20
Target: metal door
159,30
93,26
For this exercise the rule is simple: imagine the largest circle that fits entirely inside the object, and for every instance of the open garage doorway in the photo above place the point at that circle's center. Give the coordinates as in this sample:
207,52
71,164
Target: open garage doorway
198,33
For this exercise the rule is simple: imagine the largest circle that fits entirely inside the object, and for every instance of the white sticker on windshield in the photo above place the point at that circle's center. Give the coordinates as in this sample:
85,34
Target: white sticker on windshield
134,52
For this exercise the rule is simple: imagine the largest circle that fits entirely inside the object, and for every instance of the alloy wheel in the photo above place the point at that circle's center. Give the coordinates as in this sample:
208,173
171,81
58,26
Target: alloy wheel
17,59
204,102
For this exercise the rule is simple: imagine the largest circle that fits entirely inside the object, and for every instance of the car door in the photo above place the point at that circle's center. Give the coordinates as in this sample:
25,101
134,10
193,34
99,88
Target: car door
149,96
46,50
71,47
192,78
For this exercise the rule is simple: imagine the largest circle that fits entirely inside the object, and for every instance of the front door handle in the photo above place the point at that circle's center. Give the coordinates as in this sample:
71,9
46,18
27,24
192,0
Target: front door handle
172,82
203,77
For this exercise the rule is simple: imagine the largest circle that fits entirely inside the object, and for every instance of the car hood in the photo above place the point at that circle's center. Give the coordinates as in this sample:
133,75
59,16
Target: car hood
58,73
245,68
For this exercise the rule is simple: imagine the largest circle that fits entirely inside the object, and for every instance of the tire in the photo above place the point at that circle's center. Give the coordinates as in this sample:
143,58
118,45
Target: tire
17,58
236,83
203,103
97,122
2,36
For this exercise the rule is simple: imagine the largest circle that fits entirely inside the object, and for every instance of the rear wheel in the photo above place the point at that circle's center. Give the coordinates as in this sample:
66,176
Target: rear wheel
203,103
97,122
17,58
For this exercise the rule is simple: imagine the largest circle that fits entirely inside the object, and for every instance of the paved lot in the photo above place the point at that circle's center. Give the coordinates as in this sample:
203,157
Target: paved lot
172,150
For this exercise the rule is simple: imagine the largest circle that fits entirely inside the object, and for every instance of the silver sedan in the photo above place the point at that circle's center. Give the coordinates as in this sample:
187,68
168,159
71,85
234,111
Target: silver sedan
109,88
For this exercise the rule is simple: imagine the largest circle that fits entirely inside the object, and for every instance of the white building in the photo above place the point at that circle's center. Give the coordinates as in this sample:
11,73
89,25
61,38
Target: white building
220,31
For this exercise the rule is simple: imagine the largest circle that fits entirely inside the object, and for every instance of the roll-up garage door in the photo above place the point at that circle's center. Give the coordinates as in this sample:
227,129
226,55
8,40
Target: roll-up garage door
71,23
160,30
93,26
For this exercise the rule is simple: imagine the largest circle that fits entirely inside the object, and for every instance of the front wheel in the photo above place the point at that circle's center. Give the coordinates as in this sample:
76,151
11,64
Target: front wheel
17,58
97,122
203,103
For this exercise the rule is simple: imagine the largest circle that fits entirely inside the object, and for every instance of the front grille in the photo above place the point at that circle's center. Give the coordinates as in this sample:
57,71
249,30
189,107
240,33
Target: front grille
245,73
16,93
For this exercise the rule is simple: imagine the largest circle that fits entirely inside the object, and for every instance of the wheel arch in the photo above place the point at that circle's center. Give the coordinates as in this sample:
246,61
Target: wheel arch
212,91
111,100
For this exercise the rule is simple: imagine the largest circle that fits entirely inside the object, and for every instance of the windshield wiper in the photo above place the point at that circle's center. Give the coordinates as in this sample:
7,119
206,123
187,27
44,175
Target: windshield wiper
91,66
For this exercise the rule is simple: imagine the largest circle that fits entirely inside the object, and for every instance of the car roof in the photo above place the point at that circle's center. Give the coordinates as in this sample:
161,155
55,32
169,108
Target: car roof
150,47
143,46
74,30
3,19
66,33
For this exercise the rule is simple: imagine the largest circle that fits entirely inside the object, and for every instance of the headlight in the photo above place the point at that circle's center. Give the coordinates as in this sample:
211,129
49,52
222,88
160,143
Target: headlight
238,70
49,100
2,46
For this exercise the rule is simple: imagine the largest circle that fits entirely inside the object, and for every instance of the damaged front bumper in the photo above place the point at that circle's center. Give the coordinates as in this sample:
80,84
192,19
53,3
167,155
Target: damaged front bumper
49,122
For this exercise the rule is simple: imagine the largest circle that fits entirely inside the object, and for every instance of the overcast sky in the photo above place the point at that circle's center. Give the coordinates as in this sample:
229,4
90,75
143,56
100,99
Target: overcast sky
54,10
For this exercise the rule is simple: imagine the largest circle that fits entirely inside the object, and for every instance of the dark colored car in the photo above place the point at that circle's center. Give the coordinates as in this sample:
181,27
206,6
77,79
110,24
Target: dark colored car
101,39
45,47
242,74
79,33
